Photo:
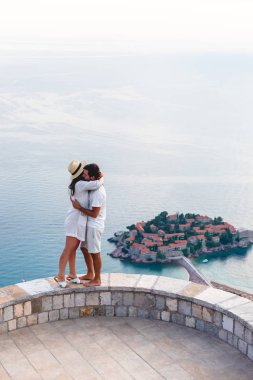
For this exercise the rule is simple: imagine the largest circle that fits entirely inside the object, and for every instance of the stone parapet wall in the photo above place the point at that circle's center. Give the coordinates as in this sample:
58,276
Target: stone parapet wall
219,313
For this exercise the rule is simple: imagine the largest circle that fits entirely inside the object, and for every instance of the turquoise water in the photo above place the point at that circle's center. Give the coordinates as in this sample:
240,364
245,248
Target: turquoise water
170,132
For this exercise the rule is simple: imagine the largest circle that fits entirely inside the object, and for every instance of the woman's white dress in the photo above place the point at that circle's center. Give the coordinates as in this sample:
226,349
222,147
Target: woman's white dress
75,222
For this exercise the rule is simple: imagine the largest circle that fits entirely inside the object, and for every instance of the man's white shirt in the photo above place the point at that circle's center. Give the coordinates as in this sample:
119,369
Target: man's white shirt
97,198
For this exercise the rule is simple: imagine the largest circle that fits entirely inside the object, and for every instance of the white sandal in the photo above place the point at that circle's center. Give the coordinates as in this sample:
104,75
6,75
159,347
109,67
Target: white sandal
75,280
62,284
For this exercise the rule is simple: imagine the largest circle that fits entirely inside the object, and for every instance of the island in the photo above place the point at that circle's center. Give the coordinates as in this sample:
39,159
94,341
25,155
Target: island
170,237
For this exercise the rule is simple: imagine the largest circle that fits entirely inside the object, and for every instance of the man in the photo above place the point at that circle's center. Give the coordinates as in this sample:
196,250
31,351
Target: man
91,248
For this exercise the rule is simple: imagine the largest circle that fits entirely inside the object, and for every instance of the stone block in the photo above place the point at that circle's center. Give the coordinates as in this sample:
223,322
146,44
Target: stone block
32,319
249,336
86,311
185,307
211,329
53,315
74,312
200,325
105,298
27,308
12,325
171,304
228,323
197,311
36,305
21,322
121,311
58,302
223,335
239,330
69,300
250,351
140,300
207,314
18,310
128,298
8,313
79,299
178,318
47,303
3,327
99,311
160,302
190,322
117,298
217,318
242,346
109,311
232,339
165,316
43,317
155,314
1,315
142,312
132,311
64,313
92,299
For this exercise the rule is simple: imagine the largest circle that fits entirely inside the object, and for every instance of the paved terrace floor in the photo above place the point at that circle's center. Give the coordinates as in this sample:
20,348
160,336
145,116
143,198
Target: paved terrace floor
118,348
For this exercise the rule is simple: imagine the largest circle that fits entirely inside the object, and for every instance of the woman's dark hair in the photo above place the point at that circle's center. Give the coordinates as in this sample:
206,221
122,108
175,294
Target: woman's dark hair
73,183
93,170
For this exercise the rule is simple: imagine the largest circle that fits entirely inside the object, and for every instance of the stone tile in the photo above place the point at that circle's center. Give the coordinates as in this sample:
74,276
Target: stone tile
170,286
43,317
8,313
80,299
146,282
197,311
128,298
18,310
105,298
3,374
92,299
58,302
37,286
47,303
211,296
69,300
185,307
12,325
192,289
232,302
21,322
171,304
228,323
239,330
123,281
27,308
14,292
32,319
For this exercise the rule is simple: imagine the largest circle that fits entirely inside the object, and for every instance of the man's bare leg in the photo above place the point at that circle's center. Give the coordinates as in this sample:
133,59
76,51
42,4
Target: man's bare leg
89,264
97,264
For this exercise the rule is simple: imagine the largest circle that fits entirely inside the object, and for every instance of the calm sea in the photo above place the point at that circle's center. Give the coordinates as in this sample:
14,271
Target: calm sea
171,133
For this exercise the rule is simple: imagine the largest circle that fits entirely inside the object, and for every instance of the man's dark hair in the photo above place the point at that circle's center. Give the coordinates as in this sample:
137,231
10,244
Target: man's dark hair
93,170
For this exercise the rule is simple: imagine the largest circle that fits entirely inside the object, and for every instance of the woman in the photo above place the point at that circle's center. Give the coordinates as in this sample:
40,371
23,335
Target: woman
75,223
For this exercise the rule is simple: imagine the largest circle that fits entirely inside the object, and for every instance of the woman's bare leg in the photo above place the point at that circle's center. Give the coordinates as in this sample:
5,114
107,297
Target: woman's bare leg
72,266
71,246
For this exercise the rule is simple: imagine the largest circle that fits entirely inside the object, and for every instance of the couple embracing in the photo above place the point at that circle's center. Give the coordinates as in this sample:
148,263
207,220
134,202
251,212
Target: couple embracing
84,225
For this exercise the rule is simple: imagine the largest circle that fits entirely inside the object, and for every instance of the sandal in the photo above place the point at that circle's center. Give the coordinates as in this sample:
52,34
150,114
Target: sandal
62,284
75,280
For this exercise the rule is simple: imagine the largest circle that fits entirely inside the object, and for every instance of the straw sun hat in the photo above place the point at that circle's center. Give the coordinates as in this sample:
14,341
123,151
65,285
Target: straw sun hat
76,168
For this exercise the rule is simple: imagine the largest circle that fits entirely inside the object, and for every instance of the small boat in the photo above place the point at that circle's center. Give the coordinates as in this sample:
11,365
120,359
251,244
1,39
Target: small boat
205,261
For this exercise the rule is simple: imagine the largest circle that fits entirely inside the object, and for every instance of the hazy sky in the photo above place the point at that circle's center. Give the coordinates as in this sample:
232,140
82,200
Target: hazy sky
128,25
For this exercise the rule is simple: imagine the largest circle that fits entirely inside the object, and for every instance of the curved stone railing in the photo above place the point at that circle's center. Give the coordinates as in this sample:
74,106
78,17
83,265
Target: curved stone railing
222,314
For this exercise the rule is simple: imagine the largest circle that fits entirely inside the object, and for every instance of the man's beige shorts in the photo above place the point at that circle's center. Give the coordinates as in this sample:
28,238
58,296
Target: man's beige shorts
93,240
